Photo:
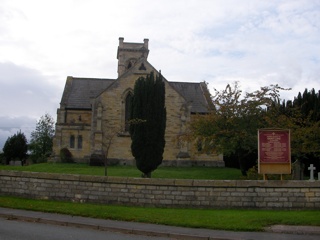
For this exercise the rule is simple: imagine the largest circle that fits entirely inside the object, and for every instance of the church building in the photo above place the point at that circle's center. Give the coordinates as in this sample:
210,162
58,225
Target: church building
93,115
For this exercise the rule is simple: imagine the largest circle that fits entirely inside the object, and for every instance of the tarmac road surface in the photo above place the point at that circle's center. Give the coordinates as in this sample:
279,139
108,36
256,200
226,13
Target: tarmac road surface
21,230
136,230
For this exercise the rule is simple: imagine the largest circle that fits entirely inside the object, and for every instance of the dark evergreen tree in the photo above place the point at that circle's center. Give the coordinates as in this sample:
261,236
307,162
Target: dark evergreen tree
148,123
16,148
8,150
302,117
309,104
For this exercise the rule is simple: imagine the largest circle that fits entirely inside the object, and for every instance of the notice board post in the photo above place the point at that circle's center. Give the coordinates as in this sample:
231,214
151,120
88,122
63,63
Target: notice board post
274,152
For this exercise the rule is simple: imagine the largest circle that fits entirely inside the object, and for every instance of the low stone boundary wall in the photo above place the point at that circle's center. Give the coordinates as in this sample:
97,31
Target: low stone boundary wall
162,192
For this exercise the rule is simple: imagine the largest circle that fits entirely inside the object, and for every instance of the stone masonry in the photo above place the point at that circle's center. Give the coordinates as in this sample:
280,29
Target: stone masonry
94,113
163,192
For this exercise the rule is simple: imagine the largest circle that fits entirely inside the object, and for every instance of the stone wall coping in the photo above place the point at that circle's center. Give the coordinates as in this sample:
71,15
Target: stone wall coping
165,182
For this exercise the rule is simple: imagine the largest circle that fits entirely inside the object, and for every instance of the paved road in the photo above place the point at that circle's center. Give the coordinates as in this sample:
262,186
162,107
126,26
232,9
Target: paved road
18,230
143,229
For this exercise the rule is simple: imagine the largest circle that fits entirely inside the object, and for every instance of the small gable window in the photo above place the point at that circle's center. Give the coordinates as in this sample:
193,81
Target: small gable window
129,65
142,67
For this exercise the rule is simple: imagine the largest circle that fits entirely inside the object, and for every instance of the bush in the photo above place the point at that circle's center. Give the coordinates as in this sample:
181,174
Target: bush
39,158
66,156
252,174
96,160
244,163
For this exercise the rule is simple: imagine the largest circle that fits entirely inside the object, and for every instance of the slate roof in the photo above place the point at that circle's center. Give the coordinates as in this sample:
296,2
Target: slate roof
79,91
193,93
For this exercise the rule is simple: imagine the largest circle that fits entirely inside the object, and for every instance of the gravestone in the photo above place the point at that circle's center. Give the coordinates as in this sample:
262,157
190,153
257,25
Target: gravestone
311,168
297,170
15,163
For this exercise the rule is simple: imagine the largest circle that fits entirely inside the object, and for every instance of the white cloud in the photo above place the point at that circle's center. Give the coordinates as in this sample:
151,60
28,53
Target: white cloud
26,92
255,42
25,96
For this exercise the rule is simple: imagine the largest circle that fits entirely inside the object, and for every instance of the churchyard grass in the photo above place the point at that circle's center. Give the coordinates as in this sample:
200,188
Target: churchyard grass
236,220
130,171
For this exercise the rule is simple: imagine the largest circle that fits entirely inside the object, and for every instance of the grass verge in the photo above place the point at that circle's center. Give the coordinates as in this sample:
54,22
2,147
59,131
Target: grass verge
235,220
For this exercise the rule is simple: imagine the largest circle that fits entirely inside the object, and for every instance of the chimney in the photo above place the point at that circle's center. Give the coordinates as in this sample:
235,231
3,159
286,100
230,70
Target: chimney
145,42
121,41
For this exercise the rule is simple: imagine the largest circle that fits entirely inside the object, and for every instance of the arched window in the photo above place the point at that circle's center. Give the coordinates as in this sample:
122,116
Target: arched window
80,142
128,104
72,141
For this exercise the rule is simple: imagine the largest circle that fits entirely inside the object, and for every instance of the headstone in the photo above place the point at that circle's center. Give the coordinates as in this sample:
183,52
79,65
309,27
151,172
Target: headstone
15,163
297,170
318,176
311,168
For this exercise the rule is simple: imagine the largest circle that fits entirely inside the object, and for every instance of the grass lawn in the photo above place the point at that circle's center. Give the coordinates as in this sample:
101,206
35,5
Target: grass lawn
130,171
236,220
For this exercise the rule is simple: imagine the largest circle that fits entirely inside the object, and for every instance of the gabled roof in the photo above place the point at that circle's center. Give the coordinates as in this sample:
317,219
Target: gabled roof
78,92
193,93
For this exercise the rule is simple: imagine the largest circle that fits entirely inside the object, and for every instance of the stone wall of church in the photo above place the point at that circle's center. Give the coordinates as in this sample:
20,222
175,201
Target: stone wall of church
76,123
80,151
112,120
174,125
105,125
79,123
113,104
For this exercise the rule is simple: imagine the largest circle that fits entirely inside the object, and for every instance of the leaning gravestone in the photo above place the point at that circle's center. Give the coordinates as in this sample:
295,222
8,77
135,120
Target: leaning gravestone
297,170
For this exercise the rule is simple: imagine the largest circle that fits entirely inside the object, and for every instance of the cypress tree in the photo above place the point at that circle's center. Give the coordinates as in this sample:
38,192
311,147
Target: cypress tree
148,123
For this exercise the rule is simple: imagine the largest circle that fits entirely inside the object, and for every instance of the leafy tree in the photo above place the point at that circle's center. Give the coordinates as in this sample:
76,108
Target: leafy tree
16,148
41,139
148,123
108,136
231,128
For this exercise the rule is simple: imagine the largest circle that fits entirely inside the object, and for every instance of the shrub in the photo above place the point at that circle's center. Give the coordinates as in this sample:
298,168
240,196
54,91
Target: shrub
66,156
252,174
96,160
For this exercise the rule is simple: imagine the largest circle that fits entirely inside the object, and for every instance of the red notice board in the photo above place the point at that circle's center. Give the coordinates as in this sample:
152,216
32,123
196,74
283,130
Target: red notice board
274,152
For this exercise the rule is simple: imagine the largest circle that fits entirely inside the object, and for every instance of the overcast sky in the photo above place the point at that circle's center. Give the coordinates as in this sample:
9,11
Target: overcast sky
255,42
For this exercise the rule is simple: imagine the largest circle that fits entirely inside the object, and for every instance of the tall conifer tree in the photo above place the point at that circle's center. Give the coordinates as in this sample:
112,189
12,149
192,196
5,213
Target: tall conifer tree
148,123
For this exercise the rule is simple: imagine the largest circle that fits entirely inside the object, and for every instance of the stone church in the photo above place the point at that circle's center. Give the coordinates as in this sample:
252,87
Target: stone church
93,114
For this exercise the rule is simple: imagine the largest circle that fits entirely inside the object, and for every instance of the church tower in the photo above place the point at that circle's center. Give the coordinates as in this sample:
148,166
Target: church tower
129,53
